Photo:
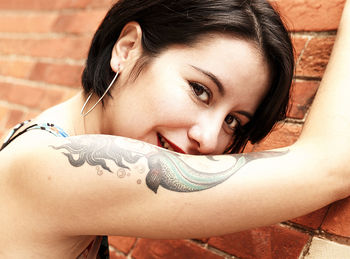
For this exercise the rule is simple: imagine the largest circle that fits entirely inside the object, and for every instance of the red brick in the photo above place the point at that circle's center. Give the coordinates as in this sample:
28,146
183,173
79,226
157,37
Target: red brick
312,220
16,68
42,4
13,118
315,57
62,74
101,3
51,97
263,243
3,115
302,95
5,89
169,249
27,23
81,22
311,15
63,47
337,220
283,135
24,95
299,45
123,244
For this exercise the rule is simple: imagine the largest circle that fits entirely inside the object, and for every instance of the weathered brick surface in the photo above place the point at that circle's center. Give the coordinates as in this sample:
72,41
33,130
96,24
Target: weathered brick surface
52,5
16,68
283,135
263,243
299,45
337,220
170,249
24,23
42,4
62,47
23,94
311,15
81,22
61,74
312,220
315,57
302,95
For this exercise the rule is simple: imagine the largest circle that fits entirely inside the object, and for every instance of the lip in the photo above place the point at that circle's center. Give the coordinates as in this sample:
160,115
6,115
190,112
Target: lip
176,148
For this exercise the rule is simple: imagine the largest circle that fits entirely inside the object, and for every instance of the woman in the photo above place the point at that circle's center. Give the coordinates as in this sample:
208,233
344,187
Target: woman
194,77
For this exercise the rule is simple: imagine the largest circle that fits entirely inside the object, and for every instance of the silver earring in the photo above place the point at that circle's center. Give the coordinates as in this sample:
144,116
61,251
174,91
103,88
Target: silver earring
87,100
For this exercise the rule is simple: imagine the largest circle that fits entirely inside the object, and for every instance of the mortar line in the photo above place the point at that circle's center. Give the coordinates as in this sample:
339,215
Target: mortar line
314,33
63,61
302,51
45,35
38,12
36,84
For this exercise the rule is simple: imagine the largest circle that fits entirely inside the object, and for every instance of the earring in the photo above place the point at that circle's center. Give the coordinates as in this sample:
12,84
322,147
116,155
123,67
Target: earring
87,100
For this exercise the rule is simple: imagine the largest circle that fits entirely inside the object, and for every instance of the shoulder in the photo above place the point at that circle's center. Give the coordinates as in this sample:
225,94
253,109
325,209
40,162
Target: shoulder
25,159
22,182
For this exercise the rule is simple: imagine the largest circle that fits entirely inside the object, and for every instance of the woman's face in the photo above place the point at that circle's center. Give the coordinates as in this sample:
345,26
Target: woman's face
191,99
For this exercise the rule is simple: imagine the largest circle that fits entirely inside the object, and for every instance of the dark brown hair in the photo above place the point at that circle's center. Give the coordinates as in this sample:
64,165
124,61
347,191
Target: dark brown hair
169,22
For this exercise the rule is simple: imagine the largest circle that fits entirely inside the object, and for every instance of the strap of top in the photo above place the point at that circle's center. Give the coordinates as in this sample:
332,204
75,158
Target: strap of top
50,127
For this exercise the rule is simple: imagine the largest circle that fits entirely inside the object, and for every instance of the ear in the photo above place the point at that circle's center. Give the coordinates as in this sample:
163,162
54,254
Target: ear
128,47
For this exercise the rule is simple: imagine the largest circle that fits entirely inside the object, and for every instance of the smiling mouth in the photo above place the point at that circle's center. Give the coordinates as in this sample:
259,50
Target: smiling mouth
165,143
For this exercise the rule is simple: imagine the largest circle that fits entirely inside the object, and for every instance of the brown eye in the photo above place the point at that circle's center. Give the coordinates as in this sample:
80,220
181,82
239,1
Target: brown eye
201,92
231,121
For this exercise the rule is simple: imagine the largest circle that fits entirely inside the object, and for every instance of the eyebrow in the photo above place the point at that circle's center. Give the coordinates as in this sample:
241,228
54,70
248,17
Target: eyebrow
213,78
221,89
246,114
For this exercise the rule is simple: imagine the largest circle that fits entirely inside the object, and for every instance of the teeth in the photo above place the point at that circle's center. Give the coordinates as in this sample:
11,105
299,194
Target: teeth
165,144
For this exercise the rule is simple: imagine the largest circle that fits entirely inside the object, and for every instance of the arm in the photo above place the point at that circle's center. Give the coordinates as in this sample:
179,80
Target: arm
112,185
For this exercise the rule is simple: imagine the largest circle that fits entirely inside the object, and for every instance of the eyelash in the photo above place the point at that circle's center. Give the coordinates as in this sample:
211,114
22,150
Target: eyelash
237,124
198,87
204,89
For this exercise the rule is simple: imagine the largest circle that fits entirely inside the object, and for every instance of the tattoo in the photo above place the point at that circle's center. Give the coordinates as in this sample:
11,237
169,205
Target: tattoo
173,173
168,169
95,151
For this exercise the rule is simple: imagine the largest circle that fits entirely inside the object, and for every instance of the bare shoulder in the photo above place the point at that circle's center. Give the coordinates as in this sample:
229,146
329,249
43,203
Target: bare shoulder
20,184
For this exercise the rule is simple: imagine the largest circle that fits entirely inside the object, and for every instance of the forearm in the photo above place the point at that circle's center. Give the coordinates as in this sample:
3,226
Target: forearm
241,191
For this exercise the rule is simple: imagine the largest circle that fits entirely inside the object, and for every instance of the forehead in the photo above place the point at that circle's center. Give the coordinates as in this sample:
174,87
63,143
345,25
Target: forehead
237,63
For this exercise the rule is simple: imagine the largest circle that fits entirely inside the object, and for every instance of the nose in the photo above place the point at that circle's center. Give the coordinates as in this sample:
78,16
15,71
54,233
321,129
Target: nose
205,135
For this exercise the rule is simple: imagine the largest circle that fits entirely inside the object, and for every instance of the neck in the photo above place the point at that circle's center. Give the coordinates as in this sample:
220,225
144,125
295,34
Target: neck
91,122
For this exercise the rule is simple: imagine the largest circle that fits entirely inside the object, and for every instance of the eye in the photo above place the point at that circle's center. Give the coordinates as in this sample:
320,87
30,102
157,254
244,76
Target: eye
201,92
232,122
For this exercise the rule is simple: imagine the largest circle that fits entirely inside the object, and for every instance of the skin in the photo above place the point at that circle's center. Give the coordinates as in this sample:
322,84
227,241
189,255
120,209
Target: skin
40,184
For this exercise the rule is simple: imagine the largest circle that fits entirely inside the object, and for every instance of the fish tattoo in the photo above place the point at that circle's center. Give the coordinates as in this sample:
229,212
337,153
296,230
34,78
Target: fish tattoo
165,168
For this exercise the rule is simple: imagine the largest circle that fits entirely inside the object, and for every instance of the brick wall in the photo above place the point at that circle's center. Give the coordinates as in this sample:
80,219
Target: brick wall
43,45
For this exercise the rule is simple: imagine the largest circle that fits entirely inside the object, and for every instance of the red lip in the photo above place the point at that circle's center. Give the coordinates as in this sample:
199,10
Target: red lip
176,148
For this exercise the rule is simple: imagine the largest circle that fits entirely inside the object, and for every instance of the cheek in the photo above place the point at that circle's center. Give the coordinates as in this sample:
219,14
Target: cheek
224,142
172,103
